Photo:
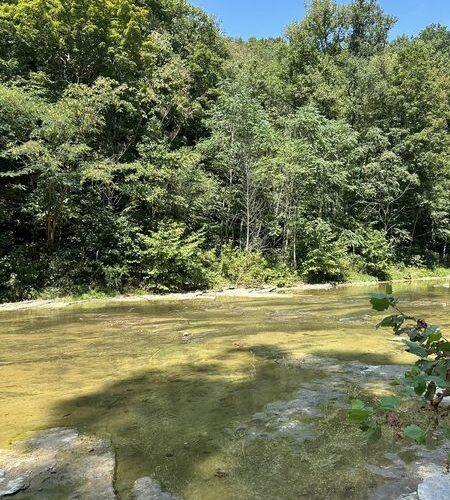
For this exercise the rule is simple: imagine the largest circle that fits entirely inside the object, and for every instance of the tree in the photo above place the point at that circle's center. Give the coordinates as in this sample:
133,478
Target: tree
311,153
240,136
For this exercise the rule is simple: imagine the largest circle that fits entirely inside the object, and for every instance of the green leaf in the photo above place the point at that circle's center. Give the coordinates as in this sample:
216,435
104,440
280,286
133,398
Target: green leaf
359,413
389,403
426,366
415,433
447,432
439,381
444,347
380,301
430,392
433,334
413,334
393,321
439,368
413,373
357,404
374,433
406,390
420,387
359,416
416,349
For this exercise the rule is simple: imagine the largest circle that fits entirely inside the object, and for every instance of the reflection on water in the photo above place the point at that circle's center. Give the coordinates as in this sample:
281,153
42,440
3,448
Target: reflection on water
174,409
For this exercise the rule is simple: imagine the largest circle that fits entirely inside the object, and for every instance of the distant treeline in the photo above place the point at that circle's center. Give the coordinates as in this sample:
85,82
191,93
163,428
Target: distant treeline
141,148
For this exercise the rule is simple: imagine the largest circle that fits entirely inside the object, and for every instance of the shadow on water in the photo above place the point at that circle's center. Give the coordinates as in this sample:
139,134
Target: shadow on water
173,426
176,426
276,354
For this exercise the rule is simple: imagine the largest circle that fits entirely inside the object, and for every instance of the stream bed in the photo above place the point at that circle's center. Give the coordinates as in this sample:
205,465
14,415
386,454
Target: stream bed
219,398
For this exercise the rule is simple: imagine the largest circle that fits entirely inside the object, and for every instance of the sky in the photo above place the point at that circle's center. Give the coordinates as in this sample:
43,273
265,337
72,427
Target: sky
267,18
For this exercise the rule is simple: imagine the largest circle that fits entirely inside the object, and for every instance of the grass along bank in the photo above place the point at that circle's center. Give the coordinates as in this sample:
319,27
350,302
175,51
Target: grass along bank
54,298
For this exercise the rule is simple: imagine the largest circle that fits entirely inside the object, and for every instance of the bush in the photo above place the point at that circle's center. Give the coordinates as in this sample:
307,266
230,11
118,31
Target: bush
325,257
174,260
21,273
252,268
376,252
372,253
115,277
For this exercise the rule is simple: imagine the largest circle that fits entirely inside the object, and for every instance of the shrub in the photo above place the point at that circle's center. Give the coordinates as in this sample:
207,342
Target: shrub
371,252
20,274
115,277
174,260
325,257
252,268
376,252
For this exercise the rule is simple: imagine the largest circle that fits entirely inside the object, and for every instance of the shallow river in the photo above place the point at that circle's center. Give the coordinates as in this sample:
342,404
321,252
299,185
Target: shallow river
198,416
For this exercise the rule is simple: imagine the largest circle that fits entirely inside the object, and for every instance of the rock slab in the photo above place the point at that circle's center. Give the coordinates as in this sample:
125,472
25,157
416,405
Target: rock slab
58,463
435,487
147,488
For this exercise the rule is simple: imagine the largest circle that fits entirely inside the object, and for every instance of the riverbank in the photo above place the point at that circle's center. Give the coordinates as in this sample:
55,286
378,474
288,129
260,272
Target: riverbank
238,292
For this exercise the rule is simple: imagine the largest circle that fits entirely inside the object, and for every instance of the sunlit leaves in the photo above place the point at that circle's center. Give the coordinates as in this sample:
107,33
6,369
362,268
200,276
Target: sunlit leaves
389,403
359,413
426,378
415,433
394,321
433,333
381,301
416,349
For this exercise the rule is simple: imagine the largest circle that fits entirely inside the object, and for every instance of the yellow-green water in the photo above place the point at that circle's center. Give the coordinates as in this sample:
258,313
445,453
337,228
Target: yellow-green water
174,410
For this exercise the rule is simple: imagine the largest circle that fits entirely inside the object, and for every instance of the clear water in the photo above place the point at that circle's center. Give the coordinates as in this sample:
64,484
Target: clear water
175,410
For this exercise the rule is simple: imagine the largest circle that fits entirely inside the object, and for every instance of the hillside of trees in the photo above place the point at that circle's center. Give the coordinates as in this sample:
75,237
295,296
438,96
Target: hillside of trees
142,149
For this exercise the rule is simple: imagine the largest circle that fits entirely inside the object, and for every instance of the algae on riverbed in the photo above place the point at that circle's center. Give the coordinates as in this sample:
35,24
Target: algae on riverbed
184,413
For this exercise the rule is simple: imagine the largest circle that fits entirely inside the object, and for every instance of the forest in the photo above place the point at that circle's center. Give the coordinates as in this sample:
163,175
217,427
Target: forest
142,149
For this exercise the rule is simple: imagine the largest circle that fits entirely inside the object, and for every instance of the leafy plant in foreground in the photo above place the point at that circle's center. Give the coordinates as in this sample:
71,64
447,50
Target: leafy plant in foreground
429,377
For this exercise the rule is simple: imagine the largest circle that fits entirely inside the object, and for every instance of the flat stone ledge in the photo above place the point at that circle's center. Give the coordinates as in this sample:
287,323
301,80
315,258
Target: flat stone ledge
58,463
147,488
435,487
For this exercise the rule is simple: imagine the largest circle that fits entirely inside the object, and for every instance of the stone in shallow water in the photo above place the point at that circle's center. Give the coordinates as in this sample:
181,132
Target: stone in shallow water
11,486
147,488
389,472
413,480
53,439
59,463
435,487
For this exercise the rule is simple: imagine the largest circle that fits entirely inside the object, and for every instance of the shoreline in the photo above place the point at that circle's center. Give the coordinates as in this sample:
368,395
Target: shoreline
266,291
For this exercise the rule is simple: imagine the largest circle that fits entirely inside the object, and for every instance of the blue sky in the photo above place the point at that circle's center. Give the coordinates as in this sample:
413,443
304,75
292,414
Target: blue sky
265,18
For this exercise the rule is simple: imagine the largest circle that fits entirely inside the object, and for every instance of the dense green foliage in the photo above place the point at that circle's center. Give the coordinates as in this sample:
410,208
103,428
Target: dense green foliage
428,378
140,148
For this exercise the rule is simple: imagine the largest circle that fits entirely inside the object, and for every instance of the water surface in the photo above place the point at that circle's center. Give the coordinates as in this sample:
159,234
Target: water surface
184,413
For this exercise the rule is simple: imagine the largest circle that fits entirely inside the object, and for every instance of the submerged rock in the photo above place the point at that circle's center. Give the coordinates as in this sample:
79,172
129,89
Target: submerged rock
388,472
189,338
147,488
422,479
435,487
59,463
10,486
296,419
